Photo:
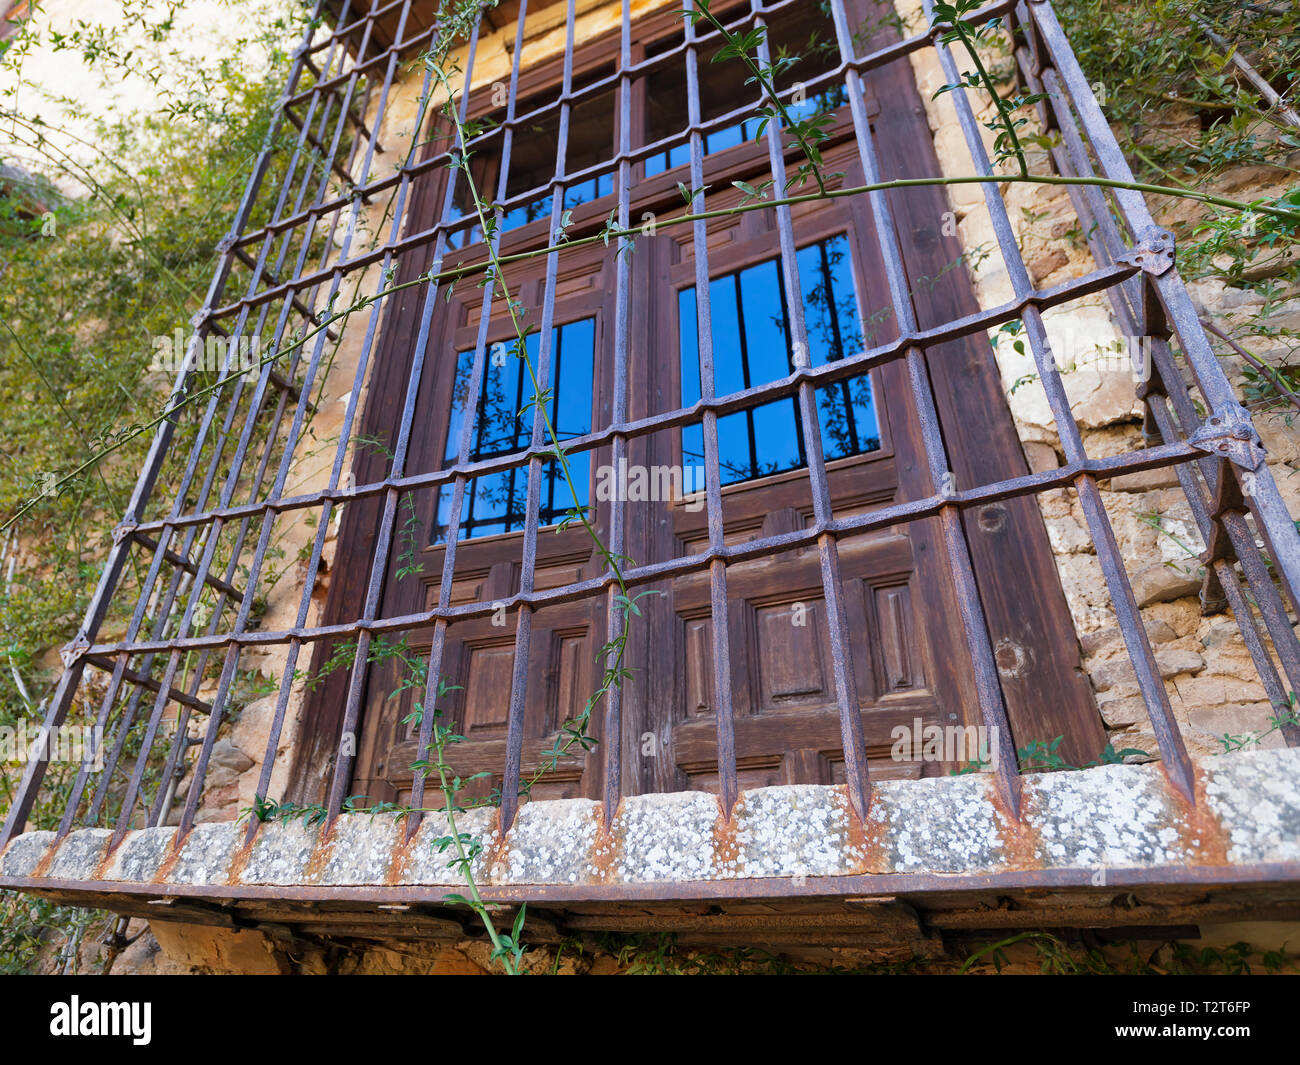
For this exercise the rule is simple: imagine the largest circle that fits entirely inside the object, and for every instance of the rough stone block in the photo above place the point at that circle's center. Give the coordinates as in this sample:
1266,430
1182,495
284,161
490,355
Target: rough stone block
206,855
79,854
24,853
1161,584
550,842
361,848
939,825
425,864
141,855
219,950
281,853
668,837
1255,797
1110,816
795,831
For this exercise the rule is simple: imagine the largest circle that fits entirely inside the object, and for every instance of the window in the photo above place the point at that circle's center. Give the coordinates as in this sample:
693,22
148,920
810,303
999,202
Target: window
752,346
801,41
532,161
496,503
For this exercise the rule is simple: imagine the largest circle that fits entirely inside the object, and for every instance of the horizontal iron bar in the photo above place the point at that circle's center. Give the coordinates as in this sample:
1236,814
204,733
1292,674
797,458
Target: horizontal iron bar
184,698
525,120
865,888
898,513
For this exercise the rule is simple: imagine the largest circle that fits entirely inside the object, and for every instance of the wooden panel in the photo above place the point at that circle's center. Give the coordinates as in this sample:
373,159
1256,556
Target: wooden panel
896,626
699,666
768,737
792,655
569,677
487,687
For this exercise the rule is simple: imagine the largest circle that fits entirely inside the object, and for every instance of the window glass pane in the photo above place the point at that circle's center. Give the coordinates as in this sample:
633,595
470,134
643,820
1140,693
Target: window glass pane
752,346
847,410
801,40
532,161
692,435
496,503
459,404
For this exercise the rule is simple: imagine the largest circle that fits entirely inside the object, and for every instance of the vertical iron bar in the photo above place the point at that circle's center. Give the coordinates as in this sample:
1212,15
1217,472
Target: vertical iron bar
723,709
379,565
992,707
1172,751
612,735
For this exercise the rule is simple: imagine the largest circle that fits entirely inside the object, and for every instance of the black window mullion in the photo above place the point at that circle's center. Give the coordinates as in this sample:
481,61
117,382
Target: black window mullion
744,373
828,287
789,363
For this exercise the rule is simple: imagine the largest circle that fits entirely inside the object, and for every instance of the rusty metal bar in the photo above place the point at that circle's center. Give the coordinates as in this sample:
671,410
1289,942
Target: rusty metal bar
819,376
1260,491
356,686
846,687
592,90
719,626
288,453
1152,686
231,483
979,644
341,451
911,510
1168,386
510,779
612,733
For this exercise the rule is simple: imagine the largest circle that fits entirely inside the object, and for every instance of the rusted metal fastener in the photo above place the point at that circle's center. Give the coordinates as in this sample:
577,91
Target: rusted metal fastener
1230,435
1153,254
74,649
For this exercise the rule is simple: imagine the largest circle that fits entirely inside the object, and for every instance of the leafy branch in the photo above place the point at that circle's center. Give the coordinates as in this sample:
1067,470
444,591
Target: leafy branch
1007,143
808,133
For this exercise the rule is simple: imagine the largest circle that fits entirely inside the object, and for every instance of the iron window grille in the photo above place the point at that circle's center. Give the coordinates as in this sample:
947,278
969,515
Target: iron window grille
203,544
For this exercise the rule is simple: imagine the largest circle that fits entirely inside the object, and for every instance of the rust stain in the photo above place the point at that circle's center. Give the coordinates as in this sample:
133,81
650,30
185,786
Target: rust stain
726,851
239,861
606,846
320,855
1021,843
498,851
1199,830
864,837
400,866
47,859
101,868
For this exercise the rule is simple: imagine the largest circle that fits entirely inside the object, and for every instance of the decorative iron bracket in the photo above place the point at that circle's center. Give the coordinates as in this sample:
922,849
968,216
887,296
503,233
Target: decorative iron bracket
1230,435
1153,254
74,649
